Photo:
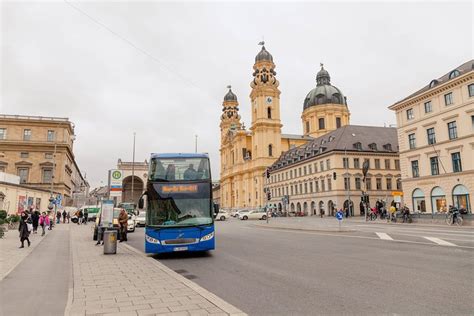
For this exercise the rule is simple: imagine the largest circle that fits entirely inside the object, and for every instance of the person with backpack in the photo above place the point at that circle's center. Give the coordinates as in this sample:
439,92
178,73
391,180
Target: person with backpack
64,216
58,217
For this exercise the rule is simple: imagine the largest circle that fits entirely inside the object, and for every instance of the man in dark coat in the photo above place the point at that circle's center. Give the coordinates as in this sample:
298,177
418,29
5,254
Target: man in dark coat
35,218
23,229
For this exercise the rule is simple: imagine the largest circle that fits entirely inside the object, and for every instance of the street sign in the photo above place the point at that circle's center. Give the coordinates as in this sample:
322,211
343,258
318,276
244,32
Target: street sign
116,182
339,215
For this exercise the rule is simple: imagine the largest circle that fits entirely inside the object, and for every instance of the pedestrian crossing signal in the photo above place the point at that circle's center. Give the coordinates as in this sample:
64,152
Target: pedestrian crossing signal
269,195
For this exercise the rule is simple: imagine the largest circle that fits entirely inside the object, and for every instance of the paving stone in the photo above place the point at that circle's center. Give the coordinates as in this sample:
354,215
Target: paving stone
135,307
183,307
153,311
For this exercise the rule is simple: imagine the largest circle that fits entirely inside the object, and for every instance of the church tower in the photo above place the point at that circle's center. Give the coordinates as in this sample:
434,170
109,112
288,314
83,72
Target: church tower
265,103
325,107
230,118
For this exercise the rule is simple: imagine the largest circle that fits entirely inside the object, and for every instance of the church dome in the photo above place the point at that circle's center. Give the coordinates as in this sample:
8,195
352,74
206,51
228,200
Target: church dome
264,55
230,96
324,93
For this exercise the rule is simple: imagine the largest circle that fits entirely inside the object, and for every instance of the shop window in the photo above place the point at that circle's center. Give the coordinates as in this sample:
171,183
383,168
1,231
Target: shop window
461,197
419,204
438,200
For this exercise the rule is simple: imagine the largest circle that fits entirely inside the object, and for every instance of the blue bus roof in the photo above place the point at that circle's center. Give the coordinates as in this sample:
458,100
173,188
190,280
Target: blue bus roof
179,155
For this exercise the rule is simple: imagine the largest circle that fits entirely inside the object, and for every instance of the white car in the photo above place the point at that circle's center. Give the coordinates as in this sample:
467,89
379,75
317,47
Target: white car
141,219
222,215
253,215
237,214
131,223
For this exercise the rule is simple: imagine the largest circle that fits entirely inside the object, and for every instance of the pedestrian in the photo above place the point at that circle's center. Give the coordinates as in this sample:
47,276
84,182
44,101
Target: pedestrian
44,222
68,216
86,216
79,217
51,220
123,223
58,217
64,216
35,218
24,230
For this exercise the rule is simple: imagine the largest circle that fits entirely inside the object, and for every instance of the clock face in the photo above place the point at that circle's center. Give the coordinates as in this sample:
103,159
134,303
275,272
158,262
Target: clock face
269,100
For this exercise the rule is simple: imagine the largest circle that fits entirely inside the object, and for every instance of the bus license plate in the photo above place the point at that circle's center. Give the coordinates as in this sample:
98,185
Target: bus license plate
180,248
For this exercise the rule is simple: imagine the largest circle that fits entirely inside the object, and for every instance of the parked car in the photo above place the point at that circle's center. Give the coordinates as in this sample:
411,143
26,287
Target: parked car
131,224
222,215
253,215
237,214
141,219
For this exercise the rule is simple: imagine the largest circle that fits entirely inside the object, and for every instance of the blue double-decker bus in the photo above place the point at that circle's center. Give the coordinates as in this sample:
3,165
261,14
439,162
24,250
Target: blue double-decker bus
179,206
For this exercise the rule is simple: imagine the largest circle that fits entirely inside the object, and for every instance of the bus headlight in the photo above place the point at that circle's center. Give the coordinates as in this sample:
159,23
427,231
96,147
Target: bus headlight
208,237
152,240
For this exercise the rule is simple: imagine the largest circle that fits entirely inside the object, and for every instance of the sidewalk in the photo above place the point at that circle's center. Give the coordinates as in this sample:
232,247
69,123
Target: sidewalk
131,283
11,255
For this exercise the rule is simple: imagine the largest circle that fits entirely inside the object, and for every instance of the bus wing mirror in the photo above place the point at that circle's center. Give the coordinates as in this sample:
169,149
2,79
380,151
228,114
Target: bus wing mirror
140,203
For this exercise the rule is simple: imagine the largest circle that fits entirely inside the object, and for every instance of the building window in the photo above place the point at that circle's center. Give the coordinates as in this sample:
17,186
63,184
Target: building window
452,130
368,183
329,184
428,107
27,134
311,187
307,126
315,167
367,162
399,184
345,163
305,187
291,174
412,141
434,166
304,170
389,183
357,183
378,183
338,122
51,136
356,163
24,155
430,132
299,172
317,185
414,169
47,175
323,186
3,133
387,164
454,74
328,164
347,183
357,146
377,163
448,98
23,174
270,150
471,90
321,165
410,115
373,146
397,164
310,169
291,190
321,123
456,159
301,188
269,113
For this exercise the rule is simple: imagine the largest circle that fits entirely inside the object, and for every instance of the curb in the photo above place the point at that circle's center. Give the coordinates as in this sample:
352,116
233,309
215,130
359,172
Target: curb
211,297
326,230
70,294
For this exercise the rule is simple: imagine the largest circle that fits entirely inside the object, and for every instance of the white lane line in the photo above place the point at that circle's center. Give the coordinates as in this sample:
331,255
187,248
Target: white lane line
440,241
384,236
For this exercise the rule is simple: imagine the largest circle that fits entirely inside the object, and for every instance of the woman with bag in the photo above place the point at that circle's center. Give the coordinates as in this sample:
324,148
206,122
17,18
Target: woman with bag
23,229
44,222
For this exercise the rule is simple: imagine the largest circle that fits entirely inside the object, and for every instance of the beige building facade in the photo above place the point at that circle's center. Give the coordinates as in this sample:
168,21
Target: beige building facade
247,153
40,151
16,198
326,173
436,137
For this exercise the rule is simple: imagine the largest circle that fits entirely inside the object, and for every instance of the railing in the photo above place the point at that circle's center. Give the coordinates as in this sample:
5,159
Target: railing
34,117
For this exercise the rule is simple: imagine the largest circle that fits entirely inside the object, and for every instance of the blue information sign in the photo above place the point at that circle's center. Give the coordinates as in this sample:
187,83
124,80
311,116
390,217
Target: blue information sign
339,215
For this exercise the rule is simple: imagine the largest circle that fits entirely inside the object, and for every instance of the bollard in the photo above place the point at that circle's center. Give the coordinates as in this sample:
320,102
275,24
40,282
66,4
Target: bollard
110,242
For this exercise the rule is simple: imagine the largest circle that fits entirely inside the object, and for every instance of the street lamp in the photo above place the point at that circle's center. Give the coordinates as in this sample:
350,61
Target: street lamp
348,193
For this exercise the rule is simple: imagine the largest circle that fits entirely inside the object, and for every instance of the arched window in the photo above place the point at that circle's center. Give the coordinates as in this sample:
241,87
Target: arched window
270,150
454,74
433,83
269,113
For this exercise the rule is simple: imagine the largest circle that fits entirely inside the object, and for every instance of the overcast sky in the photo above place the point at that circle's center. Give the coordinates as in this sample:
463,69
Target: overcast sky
161,69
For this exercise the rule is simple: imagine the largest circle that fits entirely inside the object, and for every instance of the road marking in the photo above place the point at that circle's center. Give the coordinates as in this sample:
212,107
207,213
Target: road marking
384,236
440,241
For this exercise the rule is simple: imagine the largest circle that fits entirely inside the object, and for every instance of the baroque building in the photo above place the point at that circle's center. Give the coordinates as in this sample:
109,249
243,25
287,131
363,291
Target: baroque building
436,137
247,153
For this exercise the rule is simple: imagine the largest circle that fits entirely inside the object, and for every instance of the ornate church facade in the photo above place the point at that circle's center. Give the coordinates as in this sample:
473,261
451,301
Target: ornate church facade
247,153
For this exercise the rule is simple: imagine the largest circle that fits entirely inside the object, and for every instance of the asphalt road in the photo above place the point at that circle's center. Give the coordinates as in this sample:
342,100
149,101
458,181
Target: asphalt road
289,272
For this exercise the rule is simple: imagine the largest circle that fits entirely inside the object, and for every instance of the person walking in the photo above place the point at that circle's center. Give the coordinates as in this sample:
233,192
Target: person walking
86,216
51,220
64,216
68,216
24,231
34,219
79,217
44,222
58,217
123,223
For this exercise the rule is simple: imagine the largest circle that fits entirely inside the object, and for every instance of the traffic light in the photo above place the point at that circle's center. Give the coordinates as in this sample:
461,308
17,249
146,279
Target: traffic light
267,173
334,176
269,195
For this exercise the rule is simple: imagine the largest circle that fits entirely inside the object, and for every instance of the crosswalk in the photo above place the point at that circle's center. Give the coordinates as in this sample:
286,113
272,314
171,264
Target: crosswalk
421,239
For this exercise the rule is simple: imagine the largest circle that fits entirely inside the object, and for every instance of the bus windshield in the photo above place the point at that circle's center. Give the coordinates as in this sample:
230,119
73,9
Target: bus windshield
179,205
176,169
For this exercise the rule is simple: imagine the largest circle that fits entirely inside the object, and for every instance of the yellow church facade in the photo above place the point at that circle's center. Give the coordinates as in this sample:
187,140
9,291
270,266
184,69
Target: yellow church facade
247,153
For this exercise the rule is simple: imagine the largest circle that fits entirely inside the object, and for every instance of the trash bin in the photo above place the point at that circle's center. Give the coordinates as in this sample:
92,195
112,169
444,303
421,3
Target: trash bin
110,242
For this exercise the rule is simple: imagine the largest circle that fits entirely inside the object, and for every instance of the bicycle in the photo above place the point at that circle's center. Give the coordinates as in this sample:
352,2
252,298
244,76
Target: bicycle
454,217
